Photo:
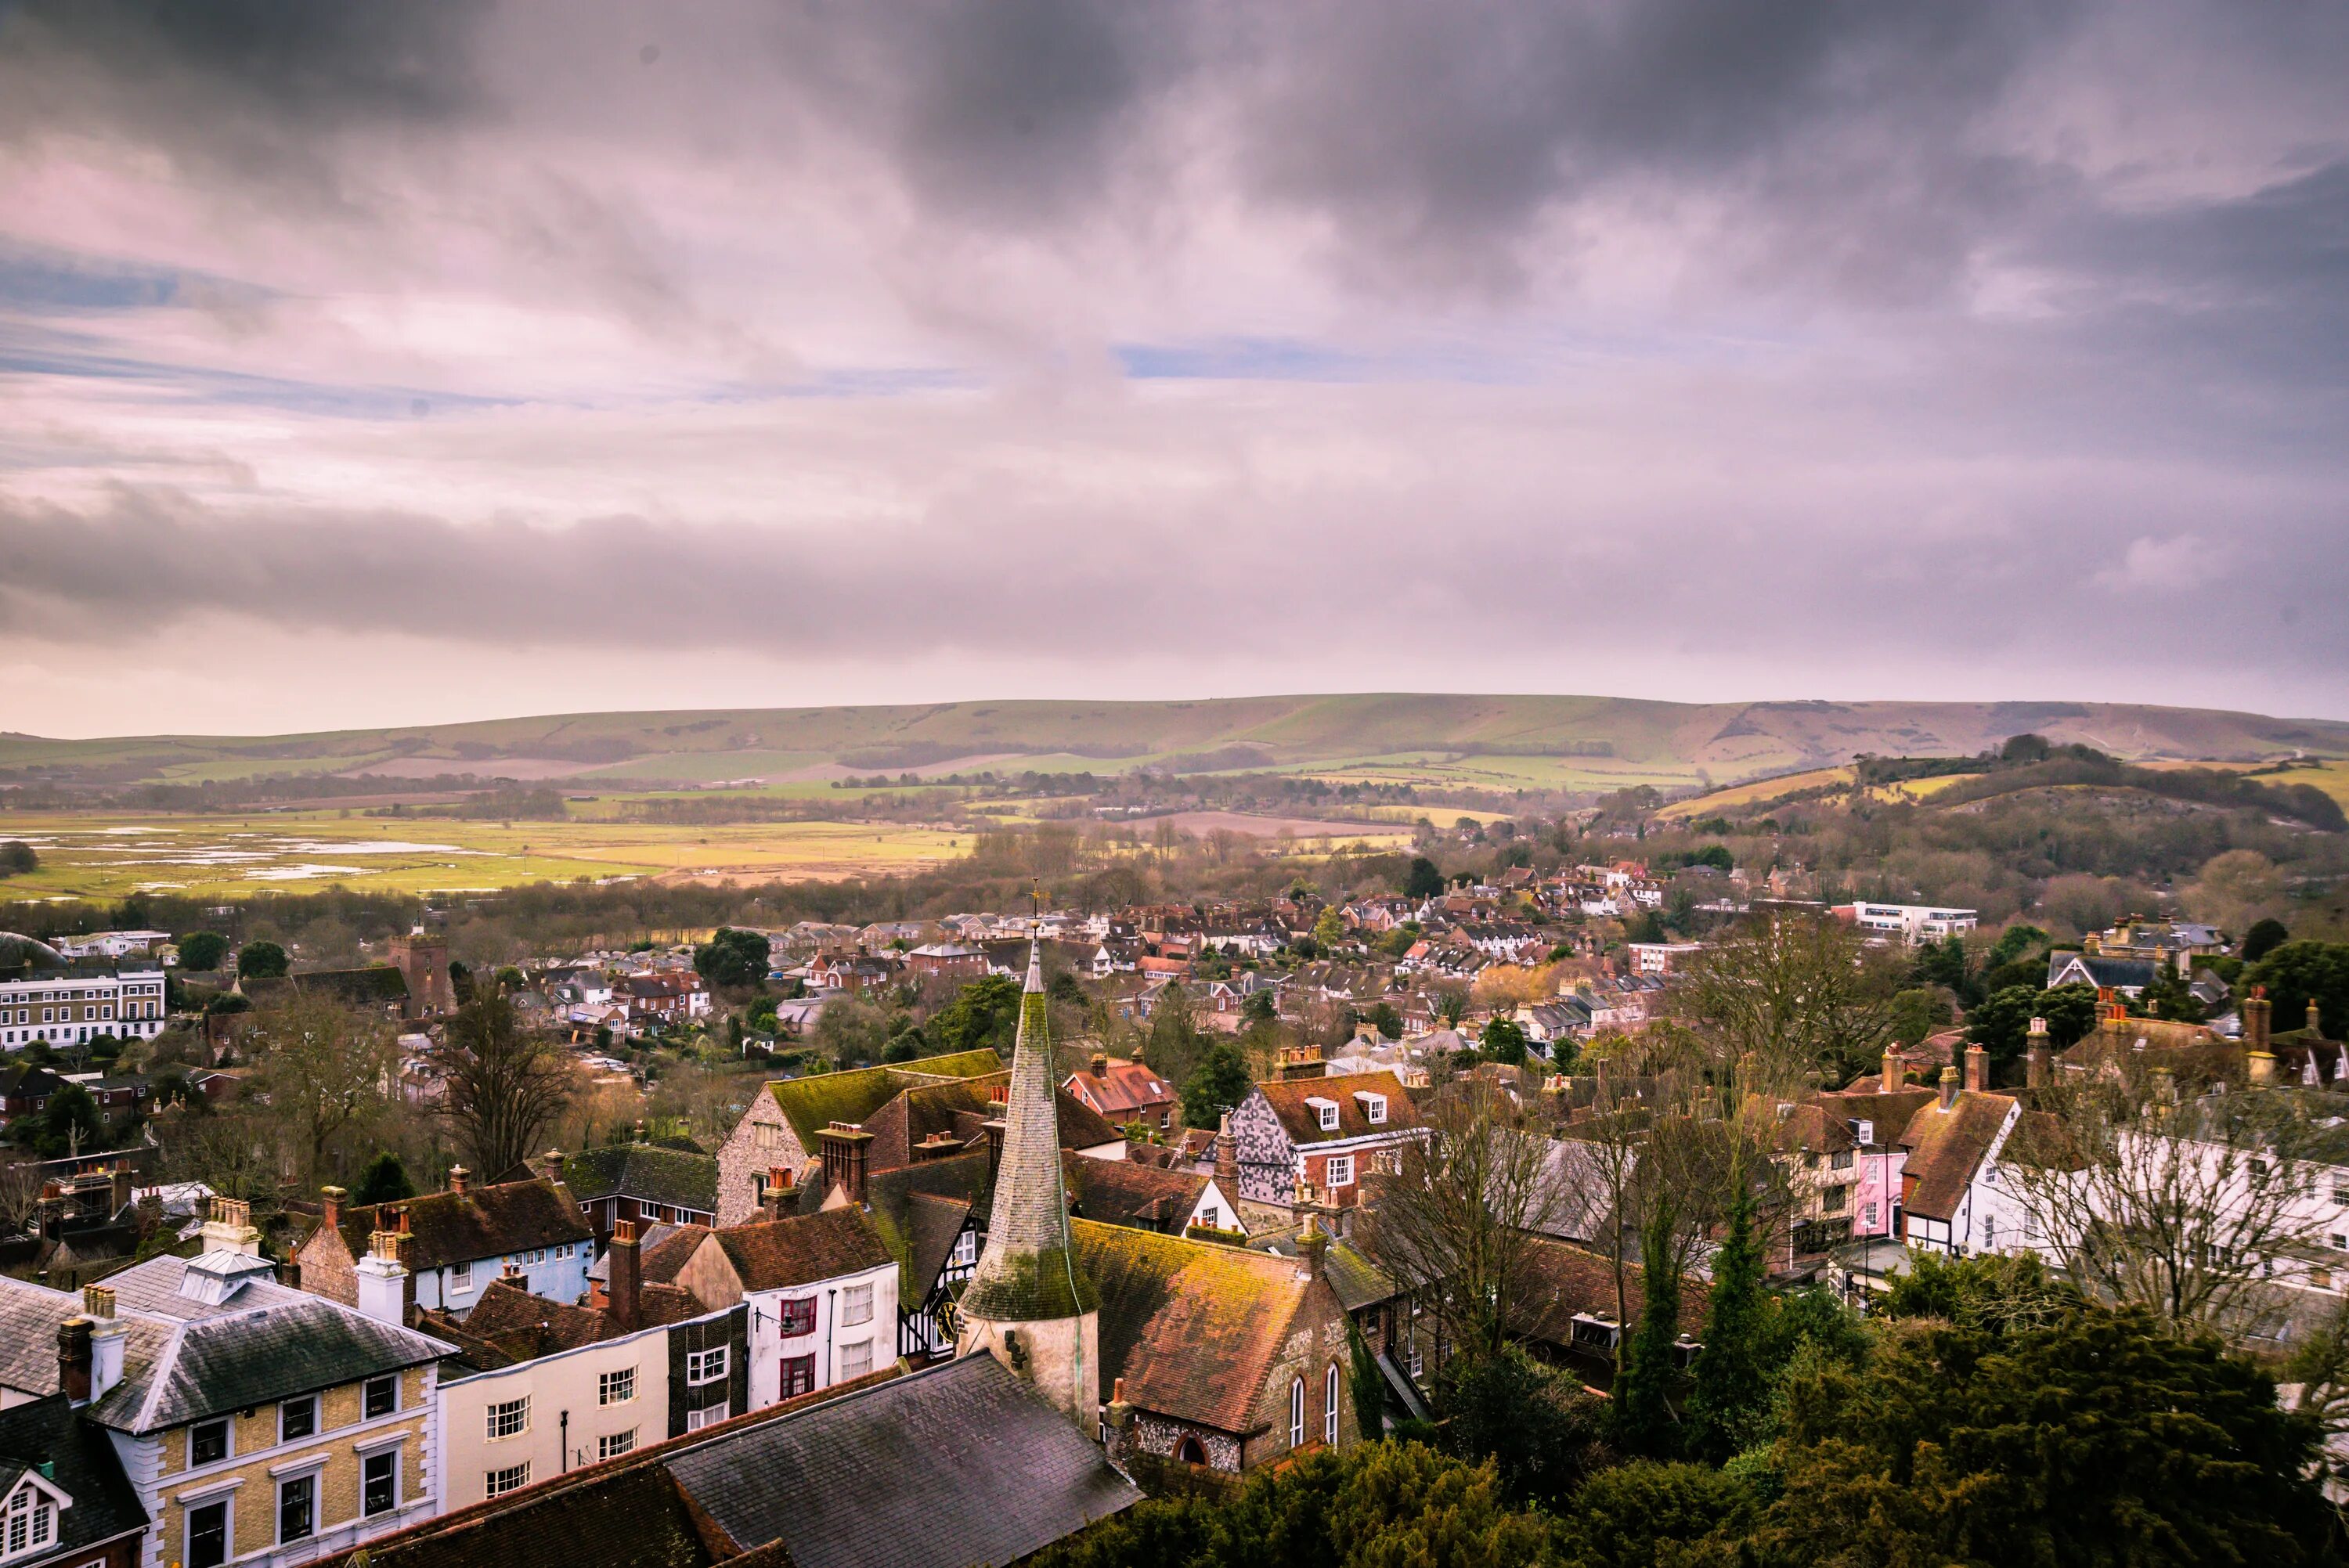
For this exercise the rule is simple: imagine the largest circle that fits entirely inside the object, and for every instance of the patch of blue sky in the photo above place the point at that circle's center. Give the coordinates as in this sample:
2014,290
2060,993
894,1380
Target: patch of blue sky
40,281
33,351
1299,359
845,381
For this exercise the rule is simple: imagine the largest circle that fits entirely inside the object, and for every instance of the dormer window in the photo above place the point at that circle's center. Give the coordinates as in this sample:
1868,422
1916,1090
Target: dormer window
30,1521
1325,1113
1374,1106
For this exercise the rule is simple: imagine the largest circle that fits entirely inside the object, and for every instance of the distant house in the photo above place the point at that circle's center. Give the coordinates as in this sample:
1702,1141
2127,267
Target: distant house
1146,1197
2129,976
1123,1092
950,958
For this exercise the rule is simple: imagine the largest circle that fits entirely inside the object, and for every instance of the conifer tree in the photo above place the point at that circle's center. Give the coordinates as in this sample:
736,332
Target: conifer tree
1731,1378
1643,1414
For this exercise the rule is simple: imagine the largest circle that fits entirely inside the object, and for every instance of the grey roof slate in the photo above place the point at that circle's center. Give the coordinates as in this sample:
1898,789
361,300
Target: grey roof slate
959,1464
186,1359
83,1465
657,1175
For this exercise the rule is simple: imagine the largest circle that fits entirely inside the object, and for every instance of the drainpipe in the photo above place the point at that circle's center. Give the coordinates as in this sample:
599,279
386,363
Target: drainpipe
563,1435
831,1317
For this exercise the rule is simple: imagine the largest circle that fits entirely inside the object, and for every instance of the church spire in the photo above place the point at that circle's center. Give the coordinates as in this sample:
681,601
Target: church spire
1028,1273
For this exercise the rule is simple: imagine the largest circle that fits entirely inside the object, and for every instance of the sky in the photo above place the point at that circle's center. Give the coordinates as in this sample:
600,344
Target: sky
367,364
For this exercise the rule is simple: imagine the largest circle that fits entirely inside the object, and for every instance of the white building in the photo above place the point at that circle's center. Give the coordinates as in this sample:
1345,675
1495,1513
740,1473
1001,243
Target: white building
113,943
65,1008
1912,922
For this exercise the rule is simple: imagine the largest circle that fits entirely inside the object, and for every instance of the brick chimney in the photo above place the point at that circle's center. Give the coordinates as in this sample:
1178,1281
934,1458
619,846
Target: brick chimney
2035,1057
1895,1074
330,1207
2257,1011
1312,1244
937,1146
847,1151
780,1193
1977,1070
75,1360
1227,1162
1948,1088
1100,1064
622,1289
549,1165
459,1179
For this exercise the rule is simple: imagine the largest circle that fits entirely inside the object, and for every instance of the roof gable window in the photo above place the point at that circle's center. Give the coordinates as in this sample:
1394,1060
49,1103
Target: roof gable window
1325,1113
1374,1106
29,1520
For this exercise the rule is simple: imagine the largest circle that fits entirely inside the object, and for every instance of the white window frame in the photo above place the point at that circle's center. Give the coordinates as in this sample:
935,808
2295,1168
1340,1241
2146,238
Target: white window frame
703,1367
1329,1405
460,1279
1374,1106
188,1507
365,1389
612,1445
32,1509
709,1415
617,1387
513,1477
1296,1412
228,1447
368,1456
1337,1171
284,1406
848,1367
1325,1113
498,1411
308,1478
855,1305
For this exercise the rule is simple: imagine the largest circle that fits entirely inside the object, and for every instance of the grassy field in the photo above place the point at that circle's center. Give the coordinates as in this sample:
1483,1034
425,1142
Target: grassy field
230,856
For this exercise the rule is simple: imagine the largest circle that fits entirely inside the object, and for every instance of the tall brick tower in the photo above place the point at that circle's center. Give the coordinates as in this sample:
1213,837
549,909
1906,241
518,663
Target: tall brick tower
424,960
1028,1305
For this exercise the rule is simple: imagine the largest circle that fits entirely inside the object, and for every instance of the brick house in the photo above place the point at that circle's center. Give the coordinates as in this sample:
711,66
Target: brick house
256,1423
1123,1092
1319,1136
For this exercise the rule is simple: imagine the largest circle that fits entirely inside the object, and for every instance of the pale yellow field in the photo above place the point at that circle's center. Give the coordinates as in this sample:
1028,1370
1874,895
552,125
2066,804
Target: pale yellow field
112,856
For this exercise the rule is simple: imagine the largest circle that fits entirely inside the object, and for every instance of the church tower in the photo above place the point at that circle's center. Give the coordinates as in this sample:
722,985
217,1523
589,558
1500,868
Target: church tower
1026,1305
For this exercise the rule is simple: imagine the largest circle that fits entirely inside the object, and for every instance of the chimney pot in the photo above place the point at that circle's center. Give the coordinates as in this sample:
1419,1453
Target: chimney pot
1895,1073
330,1206
1977,1070
458,1178
1948,1088
97,1300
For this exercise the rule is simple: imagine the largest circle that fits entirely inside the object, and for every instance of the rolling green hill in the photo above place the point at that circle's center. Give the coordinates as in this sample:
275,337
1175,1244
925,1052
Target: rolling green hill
1572,742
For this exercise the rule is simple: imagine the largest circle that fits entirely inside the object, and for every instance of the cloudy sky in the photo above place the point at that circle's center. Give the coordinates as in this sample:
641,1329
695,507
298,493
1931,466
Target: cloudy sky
366,364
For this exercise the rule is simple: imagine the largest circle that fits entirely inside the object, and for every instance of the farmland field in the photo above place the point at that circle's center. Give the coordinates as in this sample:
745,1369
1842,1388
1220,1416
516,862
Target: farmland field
229,857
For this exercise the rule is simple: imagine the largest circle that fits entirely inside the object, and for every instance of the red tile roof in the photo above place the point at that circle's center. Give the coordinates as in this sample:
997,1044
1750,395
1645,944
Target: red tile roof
1288,1101
1945,1148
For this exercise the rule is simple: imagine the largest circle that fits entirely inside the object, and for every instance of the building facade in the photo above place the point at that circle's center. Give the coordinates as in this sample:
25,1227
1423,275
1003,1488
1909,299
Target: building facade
63,1008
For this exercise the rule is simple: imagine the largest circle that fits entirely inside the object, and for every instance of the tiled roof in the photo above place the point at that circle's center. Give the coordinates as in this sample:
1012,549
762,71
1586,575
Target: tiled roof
813,1103
1119,1192
489,1221
1298,1119
509,1325
1563,1280
1123,1087
959,1464
1192,1327
659,1258
1358,1282
1891,1112
646,1171
777,1254
81,1462
909,1228
1945,1148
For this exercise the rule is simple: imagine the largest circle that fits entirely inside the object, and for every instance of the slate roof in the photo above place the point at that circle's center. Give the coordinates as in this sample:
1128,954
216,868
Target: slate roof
621,1516
646,1171
813,1103
480,1223
1192,1327
918,1209
777,1254
1119,1192
83,1464
186,1359
1945,1148
1359,1281
959,1464
2133,974
1297,1119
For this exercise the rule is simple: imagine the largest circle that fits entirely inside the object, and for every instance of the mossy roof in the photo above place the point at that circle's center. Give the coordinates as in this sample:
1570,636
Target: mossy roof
1193,1327
813,1103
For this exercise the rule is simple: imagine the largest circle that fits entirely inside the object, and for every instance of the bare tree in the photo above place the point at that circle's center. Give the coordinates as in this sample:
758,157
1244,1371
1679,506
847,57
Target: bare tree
505,1086
323,1067
2188,1210
1459,1221
20,1196
1794,992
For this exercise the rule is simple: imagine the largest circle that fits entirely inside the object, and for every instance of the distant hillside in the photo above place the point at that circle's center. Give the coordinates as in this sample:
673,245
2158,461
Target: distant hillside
1667,743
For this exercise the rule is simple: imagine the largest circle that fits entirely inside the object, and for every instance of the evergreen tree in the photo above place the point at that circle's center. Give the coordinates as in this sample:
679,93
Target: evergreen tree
1644,1423
384,1181
1730,1381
